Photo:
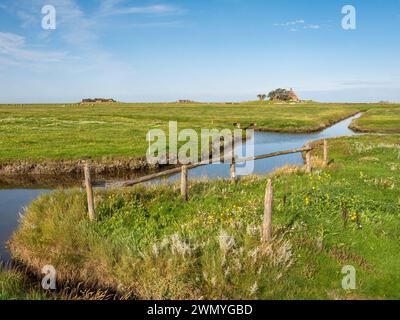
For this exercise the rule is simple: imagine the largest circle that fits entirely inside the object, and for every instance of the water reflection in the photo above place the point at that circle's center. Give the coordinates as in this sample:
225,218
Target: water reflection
268,142
11,204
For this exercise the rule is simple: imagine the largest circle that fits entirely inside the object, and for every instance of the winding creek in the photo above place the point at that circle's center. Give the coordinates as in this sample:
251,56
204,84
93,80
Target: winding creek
12,201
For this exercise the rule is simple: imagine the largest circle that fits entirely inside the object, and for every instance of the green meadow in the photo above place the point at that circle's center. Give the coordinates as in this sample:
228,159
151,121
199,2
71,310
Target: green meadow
386,120
148,243
41,132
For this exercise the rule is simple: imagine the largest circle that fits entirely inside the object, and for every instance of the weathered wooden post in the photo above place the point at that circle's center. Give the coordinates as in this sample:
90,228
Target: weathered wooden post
233,169
326,158
184,183
89,192
308,159
268,207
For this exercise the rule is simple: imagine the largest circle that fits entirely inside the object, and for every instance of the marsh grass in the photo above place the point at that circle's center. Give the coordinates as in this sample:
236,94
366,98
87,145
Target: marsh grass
40,133
147,243
383,120
14,285
20,282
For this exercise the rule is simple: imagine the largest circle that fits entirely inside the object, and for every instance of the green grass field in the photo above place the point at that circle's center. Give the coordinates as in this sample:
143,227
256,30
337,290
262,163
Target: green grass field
378,120
40,132
149,243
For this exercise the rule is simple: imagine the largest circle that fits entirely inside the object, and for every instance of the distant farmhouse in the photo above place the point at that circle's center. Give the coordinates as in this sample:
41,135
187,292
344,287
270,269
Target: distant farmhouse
293,96
283,95
280,95
98,100
185,101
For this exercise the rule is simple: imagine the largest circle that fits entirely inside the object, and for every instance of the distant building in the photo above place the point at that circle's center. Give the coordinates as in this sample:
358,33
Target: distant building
98,100
283,95
293,96
185,101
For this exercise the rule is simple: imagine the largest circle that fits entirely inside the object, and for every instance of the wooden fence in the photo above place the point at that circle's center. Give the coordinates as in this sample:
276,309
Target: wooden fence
233,163
184,170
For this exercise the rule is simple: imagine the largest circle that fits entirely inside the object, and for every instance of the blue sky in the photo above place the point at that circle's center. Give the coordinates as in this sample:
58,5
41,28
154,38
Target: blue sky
205,50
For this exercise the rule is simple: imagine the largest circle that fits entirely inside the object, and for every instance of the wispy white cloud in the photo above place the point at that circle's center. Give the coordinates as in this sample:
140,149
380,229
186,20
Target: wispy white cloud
78,28
312,26
365,83
73,25
78,33
10,41
289,23
297,25
107,5
167,24
14,49
156,9
116,7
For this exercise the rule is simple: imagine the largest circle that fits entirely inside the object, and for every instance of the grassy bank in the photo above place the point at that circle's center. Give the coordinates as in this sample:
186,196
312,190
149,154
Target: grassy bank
17,285
13,286
379,120
148,243
40,133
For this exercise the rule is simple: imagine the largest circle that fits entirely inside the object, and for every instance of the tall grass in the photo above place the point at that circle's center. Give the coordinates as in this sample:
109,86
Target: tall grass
14,285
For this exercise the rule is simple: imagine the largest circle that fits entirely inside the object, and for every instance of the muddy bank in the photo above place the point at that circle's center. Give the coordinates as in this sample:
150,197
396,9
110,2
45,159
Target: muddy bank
353,126
101,167
356,128
38,181
30,181
35,172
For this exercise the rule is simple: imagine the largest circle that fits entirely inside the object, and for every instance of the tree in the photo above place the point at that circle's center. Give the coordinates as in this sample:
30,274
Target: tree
262,96
283,95
279,94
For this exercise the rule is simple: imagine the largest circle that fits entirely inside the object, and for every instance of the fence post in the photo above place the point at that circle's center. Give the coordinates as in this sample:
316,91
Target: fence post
89,192
268,206
308,160
326,159
184,183
233,169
